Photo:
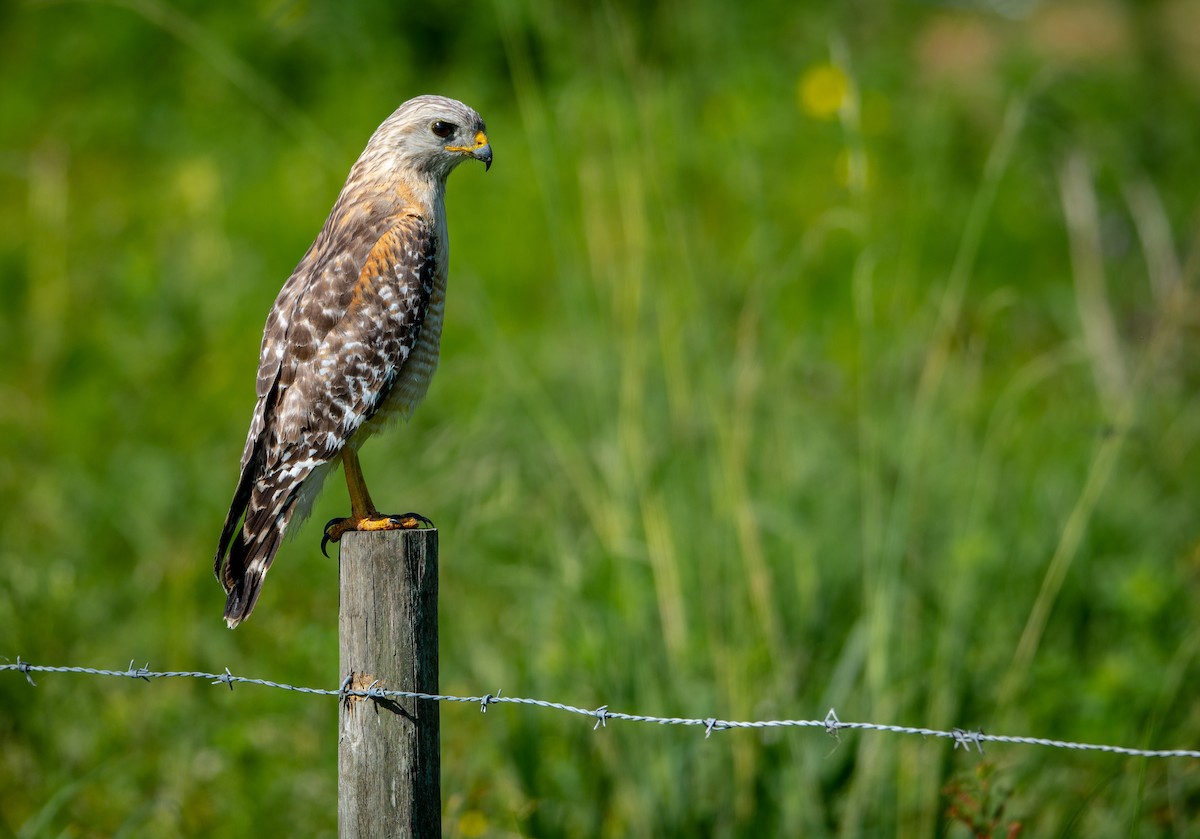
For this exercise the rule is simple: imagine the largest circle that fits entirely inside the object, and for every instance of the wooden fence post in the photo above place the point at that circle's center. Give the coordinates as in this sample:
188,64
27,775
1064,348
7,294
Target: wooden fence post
388,755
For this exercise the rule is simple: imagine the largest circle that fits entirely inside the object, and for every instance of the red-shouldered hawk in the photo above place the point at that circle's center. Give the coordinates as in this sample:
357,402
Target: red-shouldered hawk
352,340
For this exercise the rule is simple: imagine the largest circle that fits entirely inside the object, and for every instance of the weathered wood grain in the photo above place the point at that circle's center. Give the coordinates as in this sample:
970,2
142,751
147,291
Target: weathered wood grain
388,751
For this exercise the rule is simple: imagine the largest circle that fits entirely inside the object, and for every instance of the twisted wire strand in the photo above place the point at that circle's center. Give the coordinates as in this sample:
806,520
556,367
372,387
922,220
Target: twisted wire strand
831,724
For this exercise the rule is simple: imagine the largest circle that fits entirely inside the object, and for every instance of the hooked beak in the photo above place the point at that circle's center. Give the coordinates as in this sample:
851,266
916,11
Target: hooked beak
484,153
482,150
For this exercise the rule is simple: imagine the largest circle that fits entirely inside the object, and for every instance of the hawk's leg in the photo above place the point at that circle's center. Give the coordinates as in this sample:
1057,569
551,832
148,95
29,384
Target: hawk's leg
363,514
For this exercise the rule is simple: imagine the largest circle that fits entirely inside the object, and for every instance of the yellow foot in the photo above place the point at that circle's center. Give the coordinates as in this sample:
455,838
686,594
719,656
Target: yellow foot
375,521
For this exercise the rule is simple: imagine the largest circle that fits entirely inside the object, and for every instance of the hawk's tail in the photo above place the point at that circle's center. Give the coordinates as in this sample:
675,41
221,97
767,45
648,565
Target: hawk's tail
268,507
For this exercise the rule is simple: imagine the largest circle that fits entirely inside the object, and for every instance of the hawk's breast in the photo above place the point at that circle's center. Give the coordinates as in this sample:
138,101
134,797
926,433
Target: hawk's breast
416,372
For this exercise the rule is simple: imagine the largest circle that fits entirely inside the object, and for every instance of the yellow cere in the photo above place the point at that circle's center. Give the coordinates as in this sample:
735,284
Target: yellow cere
481,140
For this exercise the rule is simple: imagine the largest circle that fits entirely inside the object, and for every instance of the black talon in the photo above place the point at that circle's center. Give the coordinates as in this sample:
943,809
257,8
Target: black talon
400,518
325,540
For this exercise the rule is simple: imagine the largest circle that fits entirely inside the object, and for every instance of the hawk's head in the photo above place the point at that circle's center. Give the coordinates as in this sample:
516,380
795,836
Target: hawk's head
432,135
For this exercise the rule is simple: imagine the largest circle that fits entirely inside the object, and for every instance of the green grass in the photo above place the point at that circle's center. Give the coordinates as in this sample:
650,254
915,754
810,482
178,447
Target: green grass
746,408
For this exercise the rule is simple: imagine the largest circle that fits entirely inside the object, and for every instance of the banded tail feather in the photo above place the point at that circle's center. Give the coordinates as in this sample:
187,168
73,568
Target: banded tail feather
245,554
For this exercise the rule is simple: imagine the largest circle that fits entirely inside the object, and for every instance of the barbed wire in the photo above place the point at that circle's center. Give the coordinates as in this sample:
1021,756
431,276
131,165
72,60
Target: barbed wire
831,724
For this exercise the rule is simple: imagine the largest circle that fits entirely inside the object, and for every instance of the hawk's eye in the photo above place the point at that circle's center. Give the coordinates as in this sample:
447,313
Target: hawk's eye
442,129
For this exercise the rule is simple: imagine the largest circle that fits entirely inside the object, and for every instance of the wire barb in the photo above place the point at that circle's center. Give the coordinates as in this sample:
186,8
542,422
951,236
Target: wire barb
488,700
833,725
966,739
24,667
225,678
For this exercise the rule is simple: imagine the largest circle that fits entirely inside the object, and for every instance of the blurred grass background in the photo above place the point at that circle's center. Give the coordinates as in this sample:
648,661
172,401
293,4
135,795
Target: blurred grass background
797,355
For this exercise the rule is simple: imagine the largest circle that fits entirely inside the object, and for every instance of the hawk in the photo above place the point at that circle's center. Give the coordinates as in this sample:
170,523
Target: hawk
352,340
